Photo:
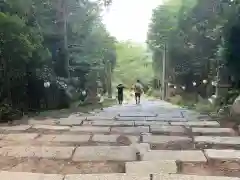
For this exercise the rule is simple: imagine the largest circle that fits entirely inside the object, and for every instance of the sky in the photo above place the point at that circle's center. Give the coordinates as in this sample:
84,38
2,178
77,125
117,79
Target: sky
129,19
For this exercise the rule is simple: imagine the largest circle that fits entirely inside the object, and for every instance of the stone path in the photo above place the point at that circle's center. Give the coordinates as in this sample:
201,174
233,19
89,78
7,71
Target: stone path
152,141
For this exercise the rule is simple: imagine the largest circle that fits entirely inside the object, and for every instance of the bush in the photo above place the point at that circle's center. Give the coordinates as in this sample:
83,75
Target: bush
231,96
154,93
176,100
7,112
204,107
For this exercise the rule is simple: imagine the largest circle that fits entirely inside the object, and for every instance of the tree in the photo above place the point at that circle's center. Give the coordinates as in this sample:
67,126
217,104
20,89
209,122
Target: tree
32,29
192,31
26,50
133,62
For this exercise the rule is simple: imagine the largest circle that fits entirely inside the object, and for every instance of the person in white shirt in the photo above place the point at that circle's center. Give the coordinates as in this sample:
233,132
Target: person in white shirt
138,89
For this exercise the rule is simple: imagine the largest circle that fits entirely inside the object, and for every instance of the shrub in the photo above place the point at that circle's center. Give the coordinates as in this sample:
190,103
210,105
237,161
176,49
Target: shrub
7,112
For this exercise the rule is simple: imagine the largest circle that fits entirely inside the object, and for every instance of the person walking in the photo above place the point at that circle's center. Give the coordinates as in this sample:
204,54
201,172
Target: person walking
120,88
138,89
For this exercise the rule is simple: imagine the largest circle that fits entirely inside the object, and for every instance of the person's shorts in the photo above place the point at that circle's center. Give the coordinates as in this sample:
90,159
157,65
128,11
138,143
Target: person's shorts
138,95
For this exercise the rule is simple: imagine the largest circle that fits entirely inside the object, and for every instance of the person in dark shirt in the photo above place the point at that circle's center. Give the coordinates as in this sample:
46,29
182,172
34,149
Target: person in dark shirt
120,88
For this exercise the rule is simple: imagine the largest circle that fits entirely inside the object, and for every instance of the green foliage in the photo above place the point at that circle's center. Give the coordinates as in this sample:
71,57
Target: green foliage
35,47
199,36
133,62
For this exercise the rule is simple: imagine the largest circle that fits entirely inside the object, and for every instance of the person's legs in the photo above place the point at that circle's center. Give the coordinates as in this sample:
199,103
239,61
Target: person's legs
136,96
120,98
139,98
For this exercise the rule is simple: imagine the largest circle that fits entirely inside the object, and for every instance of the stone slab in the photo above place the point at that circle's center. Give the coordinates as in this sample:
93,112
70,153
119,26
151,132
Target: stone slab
49,127
154,139
79,116
20,136
224,154
214,131
141,147
217,140
90,129
185,156
197,123
105,153
190,177
151,167
106,177
118,118
131,130
70,122
45,121
113,138
4,175
170,115
64,138
137,114
112,123
148,123
166,118
15,128
36,151
167,129
93,118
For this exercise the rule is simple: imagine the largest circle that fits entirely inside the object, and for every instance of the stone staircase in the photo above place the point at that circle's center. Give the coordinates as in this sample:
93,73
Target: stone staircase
137,145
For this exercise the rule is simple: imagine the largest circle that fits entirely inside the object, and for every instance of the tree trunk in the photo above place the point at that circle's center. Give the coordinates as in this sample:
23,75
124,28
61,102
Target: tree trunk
109,79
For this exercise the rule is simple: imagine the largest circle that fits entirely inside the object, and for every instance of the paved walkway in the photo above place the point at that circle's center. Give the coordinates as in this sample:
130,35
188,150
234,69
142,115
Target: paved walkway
151,141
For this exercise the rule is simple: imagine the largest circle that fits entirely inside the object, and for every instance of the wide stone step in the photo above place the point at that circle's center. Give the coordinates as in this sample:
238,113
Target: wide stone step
89,129
162,142
156,139
37,152
184,155
166,119
217,142
19,136
190,177
121,176
107,177
64,138
43,121
105,153
150,123
144,177
50,127
109,123
130,130
213,131
114,138
4,175
151,167
197,123
170,130
137,114
62,121
119,118
71,122
92,118
225,154
15,128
